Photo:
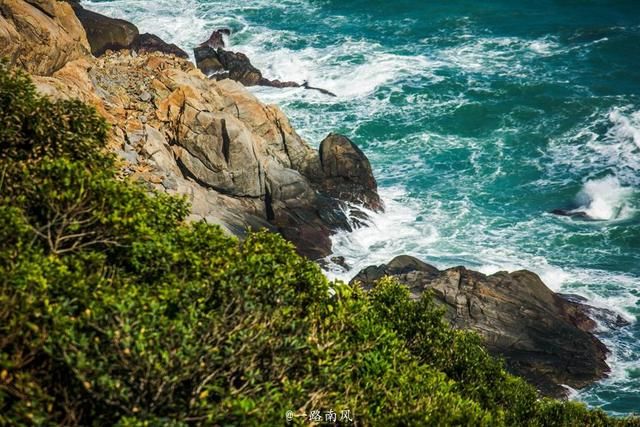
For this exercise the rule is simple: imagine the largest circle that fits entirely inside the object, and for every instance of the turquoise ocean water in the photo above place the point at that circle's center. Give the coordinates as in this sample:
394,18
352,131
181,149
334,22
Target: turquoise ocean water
479,118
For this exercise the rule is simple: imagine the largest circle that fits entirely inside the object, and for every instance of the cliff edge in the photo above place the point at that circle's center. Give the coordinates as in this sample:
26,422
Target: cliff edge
238,161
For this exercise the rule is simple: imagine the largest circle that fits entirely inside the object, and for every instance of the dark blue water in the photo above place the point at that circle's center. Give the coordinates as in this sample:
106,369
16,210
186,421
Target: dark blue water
479,118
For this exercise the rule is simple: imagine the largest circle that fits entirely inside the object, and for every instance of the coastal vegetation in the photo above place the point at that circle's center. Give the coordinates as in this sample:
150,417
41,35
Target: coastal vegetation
114,310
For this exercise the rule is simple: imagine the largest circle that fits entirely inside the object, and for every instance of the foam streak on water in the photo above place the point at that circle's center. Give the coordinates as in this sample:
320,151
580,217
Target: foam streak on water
479,119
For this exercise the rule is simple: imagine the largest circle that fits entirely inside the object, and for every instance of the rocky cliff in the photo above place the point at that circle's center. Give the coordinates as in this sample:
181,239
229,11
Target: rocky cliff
239,162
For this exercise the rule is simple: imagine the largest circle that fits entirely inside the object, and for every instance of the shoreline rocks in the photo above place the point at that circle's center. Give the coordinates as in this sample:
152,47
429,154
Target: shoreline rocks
217,63
347,173
542,336
105,33
239,162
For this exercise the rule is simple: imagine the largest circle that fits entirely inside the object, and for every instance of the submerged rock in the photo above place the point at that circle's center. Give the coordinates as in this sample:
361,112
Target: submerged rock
306,85
542,336
572,213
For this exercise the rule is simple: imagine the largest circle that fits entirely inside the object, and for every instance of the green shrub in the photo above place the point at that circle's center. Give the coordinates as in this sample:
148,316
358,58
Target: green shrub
115,311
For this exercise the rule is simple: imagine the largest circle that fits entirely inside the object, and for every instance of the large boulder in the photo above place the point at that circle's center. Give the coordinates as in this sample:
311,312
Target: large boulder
542,336
105,33
347,173
41,36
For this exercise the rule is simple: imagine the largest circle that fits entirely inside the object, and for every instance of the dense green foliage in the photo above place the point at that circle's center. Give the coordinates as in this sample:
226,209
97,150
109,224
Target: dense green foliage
114,310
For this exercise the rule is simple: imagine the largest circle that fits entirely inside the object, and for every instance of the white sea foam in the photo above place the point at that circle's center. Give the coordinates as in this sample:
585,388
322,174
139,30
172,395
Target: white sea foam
605,199
388,234
326,67
609,141
498,55
625,127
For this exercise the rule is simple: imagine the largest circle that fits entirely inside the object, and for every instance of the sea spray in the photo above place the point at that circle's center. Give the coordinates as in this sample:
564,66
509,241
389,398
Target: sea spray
625,127
605,199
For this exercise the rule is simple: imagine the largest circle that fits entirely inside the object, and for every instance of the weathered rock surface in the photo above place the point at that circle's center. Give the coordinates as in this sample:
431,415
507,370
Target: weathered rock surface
41,36
542,336
347,173
239,162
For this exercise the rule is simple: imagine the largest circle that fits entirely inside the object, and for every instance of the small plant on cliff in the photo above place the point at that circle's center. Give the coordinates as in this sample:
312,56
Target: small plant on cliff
114,310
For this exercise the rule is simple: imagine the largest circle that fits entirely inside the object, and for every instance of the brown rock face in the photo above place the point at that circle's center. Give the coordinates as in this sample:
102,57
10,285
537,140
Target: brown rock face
543,337
103,32
347,173
240,162
40,36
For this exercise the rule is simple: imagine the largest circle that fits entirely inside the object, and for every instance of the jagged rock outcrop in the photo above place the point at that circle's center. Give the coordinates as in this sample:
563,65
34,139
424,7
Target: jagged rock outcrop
542,336
222,64
239,162
216,40
40,36
606,318
217,63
